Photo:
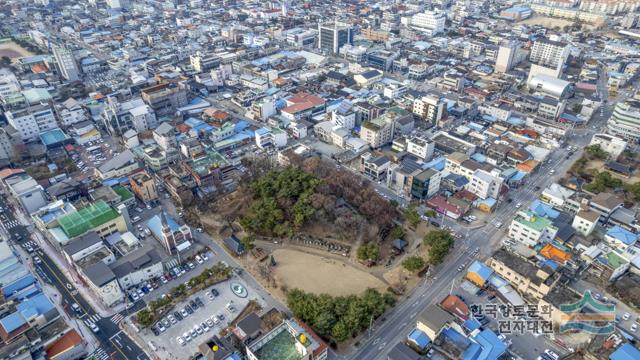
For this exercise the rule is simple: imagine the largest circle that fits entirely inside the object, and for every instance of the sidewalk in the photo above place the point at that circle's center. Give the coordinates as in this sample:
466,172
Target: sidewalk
65,268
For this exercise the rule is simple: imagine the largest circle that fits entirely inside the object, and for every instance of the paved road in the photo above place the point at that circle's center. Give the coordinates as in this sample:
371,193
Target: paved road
113,343
401,319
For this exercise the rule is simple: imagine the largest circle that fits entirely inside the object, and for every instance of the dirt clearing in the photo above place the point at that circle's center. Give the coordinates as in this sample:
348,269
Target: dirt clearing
13,50
321,275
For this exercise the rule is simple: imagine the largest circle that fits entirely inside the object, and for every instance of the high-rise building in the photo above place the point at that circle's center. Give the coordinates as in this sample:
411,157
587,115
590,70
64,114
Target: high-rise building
549,53
333,36
625,120
66,63
548,58
506,56
430,22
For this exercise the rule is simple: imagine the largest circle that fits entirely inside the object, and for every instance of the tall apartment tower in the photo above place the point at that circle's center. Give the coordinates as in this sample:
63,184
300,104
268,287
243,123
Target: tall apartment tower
506,56
547,58
333,36
66,63
549,53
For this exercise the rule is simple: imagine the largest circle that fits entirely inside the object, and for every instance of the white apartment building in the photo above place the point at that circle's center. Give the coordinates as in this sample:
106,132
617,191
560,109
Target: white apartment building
529,229
66,63
32,120
484,185
506,56
585,222
430,22
431,108
9,84
613,145
625,121
421,147
549,53
344,116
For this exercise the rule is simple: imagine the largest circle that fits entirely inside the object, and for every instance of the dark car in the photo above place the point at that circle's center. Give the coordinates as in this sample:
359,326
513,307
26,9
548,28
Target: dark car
199,302
220,316
189,309
434,223
177,315
215,292
193,304
155,331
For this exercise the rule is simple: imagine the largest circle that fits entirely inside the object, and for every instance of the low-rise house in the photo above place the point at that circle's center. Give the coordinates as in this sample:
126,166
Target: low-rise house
27,191
143,186
138,266
120,165
527,278
103,282
620,238
585,221
529,228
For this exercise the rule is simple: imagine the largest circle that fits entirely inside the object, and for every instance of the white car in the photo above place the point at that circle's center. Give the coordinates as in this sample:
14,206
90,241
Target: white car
552,354
634,327
626,316
518,205
181,341
199,259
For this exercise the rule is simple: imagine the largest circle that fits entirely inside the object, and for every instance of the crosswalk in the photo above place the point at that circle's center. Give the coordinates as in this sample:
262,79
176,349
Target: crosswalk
11,224
99,354
117,318
94,318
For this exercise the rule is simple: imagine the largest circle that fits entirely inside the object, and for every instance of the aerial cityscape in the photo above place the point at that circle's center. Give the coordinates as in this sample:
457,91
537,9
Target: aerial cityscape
311,180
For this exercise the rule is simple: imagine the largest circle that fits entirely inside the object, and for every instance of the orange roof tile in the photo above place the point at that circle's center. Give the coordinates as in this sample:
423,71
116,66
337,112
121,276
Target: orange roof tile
67,342
39,68
553,253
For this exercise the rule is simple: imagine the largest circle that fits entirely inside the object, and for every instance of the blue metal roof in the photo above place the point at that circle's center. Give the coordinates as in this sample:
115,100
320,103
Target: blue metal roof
18,285
482,270
492,347
419,338
622,235
37,305
625,352
12,322
542,209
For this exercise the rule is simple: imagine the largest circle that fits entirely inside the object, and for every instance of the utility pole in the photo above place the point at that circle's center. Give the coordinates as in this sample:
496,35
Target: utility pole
370,324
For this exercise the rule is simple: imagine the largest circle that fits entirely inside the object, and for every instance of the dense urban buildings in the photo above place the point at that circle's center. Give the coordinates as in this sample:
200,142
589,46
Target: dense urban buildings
379,180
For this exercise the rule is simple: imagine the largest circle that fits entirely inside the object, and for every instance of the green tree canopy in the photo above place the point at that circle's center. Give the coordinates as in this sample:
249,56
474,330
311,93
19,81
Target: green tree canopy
439,242
414,263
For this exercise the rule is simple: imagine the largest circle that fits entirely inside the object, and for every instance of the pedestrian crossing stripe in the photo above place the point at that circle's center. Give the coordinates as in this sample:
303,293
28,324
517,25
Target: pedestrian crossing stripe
100,354
117,319
95,317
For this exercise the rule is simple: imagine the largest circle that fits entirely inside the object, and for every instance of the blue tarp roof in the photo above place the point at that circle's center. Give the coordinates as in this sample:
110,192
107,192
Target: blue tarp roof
623,235
419,338
625,352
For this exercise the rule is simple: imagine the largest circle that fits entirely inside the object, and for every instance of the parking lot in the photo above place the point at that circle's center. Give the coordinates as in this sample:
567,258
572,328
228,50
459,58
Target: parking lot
92,154
196,319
